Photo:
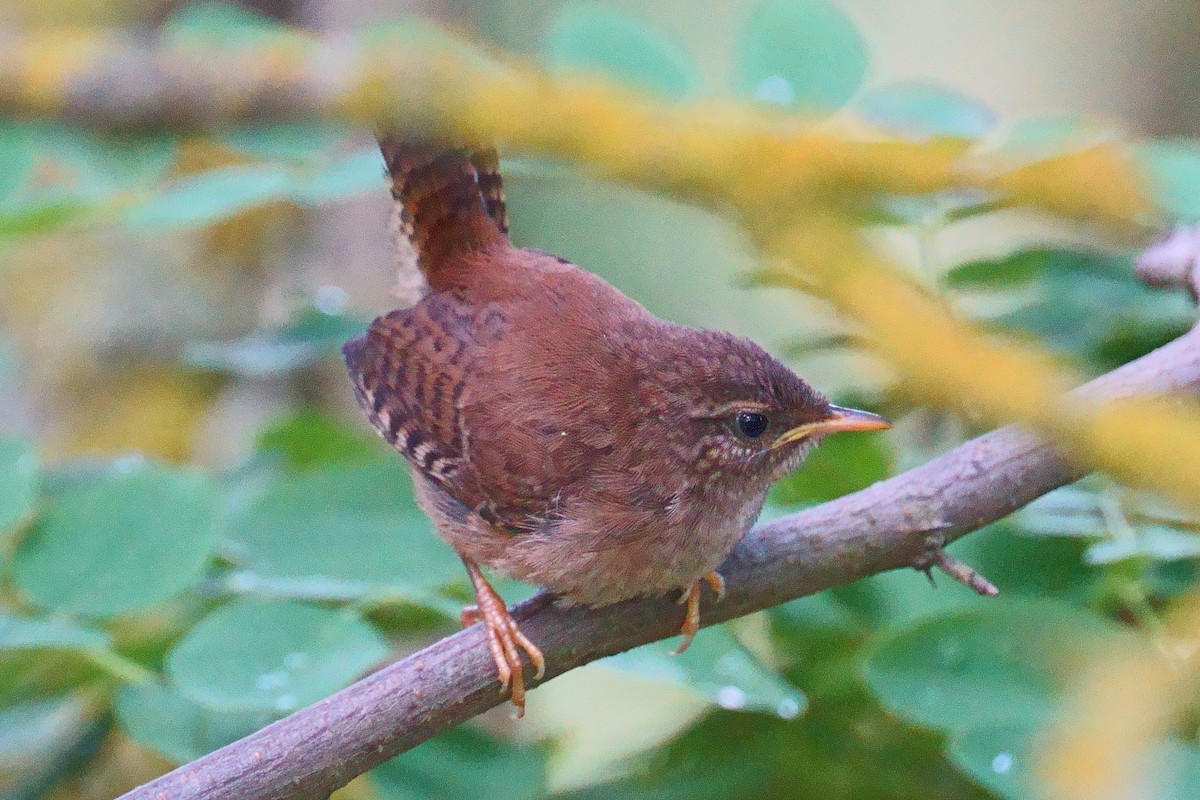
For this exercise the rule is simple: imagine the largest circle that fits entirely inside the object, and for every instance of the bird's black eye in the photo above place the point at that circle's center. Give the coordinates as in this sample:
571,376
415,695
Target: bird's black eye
751,424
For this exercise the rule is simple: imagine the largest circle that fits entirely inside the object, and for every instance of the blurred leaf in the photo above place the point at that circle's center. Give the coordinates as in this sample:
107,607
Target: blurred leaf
83,166
718,668
271,655
16,159
310,438
1000,757
1173,167
1039,138
161,719
842,464
596,38
210,196
1087,304
312,336
42,216
354,522
297,140
25,633
18,482
345,176
1005,759
801,54
460,763
1006,662
1155,542
922,111
132,540
219,25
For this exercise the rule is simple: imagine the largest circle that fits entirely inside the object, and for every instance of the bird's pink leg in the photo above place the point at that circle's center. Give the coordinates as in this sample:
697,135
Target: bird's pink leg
503,638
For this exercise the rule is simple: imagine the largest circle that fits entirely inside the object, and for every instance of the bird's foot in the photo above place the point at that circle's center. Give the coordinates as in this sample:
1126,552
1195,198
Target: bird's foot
503,638
691,596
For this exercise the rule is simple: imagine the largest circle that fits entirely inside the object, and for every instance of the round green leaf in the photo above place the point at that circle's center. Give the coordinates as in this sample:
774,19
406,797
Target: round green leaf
18,481
353,522
25,633
271,655
922,111
718,668
801,54
1003,663
596,38
139,536
461,763
1000,757
161,719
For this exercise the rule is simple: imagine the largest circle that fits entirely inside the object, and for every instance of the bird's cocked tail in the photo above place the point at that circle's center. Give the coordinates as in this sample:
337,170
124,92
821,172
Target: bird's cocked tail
448,200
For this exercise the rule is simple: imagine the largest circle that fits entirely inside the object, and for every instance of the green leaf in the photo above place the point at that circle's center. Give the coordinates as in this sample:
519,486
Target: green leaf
161,719
216,25
354,522
16,159
18,482
343,177
89,167
133,539
804,55
1001,758
595,38
1003,663
210,196
310,439
921,111
718,668
842,464
1173,167
271,655
1087,304
463,762
25,633
313,335
297,141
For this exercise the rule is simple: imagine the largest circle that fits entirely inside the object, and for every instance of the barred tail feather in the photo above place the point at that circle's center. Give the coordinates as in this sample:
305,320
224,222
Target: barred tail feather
448,200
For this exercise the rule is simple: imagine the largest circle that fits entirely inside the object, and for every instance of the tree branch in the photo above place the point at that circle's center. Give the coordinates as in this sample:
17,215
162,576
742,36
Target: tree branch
884,527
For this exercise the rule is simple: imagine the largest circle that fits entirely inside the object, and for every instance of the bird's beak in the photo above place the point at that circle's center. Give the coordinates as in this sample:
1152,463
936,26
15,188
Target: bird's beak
839,419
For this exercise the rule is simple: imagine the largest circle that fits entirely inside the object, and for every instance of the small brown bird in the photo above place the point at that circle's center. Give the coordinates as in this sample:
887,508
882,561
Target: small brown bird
555,430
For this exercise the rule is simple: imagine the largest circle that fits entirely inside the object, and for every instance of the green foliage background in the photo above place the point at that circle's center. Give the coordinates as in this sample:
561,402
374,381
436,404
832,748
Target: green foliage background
155,605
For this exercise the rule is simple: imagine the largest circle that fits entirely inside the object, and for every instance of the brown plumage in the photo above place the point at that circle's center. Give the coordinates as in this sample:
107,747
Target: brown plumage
556,431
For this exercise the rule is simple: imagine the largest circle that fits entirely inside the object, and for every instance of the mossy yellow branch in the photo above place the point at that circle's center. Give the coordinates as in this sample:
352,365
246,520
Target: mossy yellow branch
946,362
770,171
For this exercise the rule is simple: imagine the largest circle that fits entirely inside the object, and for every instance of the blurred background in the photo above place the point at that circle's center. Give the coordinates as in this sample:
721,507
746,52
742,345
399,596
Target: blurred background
200,534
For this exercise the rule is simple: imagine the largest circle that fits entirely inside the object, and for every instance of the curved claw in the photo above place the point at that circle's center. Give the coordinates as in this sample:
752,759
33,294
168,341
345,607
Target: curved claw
505,639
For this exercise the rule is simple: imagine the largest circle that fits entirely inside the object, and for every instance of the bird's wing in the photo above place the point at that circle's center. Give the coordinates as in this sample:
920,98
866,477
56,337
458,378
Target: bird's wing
419,375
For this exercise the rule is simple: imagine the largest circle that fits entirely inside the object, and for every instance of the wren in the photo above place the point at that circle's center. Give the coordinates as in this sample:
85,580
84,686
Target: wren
555,430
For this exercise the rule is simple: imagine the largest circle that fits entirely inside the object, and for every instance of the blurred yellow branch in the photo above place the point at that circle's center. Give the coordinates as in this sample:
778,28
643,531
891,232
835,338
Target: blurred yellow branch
946,362
1127,704
777,175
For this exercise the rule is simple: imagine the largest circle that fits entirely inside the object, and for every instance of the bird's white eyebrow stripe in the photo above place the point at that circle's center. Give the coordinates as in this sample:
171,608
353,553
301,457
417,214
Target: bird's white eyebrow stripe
729,408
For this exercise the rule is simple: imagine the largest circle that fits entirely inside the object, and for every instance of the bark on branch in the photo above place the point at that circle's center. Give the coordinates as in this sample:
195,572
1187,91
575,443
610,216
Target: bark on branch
886,526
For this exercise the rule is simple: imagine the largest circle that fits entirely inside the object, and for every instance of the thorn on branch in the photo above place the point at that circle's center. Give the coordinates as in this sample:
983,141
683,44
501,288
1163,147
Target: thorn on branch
935,556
